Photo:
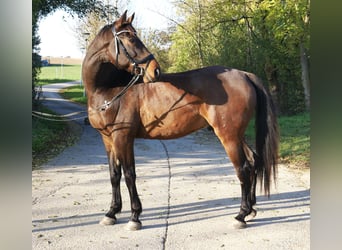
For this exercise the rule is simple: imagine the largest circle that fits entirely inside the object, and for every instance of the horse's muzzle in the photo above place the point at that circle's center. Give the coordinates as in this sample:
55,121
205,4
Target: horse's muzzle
152,72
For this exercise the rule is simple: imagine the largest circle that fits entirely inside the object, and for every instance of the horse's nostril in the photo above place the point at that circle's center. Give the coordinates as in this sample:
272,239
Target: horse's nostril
157,73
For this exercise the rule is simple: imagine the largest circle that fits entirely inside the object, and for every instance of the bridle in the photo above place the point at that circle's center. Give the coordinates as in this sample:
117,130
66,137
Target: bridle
137,69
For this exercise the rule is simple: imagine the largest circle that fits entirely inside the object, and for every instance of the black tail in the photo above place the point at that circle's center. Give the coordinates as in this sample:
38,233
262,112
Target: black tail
267,135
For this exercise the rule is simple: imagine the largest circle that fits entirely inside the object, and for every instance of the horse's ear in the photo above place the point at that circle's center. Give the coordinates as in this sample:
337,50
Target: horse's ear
130,19
122,19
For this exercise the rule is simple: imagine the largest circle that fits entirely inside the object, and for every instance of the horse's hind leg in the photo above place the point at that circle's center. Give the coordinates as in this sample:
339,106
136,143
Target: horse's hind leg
250,159
235,150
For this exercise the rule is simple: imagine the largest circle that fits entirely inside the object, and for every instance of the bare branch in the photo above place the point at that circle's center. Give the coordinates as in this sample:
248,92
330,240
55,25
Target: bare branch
177,23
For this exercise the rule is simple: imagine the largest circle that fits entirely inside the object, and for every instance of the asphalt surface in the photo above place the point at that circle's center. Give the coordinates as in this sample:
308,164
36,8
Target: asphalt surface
189,192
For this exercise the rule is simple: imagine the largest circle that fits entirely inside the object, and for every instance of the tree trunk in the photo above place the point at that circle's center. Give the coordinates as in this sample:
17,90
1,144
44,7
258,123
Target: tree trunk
199,32
274,85
305,75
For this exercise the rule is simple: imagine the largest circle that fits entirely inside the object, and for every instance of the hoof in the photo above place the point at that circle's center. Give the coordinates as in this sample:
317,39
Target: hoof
251,215
239,224
107,221
133,226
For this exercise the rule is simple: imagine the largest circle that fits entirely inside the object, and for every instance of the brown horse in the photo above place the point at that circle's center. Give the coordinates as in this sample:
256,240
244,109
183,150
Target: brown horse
176,105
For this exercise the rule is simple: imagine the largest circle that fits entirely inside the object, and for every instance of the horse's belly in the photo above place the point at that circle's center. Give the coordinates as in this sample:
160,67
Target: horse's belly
171,124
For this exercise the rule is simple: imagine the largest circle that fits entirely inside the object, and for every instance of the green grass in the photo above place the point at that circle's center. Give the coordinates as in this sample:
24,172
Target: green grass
49,138
75,94
45,137
54,73
294,139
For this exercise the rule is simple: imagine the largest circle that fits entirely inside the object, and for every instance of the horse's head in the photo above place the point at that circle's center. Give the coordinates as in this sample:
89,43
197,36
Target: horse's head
126,51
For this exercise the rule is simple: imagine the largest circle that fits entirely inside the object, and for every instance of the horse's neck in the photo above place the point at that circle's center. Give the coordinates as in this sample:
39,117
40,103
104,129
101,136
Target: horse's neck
91,66
103,75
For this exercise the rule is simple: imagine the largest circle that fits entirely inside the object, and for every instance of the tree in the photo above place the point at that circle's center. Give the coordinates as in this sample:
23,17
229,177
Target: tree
267,37
286,25
158,42
188,48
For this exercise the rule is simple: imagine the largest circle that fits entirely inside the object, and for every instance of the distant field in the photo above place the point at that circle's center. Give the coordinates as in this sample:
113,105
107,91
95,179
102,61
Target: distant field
66,60
67,70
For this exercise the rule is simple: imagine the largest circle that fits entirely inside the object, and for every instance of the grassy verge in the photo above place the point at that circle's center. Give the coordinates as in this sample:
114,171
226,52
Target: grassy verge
49,138
75,94
294,139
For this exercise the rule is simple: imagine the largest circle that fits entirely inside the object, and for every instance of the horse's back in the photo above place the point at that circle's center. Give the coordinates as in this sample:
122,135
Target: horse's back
217,86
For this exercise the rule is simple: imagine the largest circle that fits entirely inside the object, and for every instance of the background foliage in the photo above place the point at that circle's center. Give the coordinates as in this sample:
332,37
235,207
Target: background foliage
268,37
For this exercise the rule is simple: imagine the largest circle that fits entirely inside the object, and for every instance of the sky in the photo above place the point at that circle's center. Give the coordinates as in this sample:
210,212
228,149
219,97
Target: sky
58,38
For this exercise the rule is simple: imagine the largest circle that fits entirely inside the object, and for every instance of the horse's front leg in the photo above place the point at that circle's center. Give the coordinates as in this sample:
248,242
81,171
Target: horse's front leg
128,165
115,177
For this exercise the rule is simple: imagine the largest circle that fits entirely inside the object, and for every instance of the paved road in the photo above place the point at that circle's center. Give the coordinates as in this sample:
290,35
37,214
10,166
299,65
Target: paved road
188,189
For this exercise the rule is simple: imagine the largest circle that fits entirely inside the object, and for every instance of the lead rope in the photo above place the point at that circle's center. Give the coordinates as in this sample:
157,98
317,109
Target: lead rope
58,118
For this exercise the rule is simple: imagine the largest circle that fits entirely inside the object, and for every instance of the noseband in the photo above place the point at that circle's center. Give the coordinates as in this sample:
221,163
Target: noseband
137,70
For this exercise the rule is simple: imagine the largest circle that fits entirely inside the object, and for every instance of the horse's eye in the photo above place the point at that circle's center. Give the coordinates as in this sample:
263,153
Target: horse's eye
132,39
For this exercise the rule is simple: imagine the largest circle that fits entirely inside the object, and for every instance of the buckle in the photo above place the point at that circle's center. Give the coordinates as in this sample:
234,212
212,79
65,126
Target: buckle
138,70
